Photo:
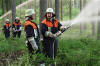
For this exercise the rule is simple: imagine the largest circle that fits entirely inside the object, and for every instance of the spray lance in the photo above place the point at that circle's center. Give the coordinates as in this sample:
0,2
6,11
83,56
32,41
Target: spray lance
65,29
62,31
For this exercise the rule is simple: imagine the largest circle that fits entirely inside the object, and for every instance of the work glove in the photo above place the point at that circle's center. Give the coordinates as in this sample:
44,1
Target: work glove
17,30
57,34
20,29
33,43
48,34
62,28
14,30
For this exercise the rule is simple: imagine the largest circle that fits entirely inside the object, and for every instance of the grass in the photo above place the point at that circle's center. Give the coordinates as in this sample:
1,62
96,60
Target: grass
73,50
81,52
11,49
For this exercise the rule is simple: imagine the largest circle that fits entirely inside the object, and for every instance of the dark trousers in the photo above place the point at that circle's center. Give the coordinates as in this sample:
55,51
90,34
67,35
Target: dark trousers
7,33
16,34
50,48
30,49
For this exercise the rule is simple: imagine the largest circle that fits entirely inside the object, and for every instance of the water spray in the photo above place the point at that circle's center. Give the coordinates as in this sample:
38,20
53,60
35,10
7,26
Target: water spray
88,14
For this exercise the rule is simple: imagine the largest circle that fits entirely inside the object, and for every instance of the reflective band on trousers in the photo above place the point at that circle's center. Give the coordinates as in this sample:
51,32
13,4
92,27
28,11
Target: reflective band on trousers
36,33
49,29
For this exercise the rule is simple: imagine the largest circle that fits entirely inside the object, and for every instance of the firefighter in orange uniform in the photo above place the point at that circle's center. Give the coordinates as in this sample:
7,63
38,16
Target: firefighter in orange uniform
6,28
32,32
50,29
16,28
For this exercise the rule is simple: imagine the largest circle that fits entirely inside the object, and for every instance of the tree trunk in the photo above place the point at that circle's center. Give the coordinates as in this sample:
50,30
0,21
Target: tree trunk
43,8
8,2
49,3
98,28
57,9
75,3
70,10
98,32
35,8
7,5
85,24
20,8
81,26
61,10
13,10
3,10
93,28
84,3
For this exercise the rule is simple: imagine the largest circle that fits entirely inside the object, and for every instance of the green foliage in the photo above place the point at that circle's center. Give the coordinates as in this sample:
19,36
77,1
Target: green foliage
10,45
75,12
82,52
9,6
77,52
0,12
71,52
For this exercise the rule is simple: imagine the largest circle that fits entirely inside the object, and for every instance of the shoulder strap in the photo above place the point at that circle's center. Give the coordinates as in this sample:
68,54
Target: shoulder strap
30,23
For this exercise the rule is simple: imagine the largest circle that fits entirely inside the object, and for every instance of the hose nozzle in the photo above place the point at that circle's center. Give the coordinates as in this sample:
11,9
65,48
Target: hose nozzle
66,28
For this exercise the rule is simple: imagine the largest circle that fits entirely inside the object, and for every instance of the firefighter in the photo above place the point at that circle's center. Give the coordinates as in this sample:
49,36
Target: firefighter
32,32
50,28
6,28
16,28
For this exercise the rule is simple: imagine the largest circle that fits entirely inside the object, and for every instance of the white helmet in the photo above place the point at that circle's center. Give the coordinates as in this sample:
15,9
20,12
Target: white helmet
29,12
17,18
7,20
50,10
